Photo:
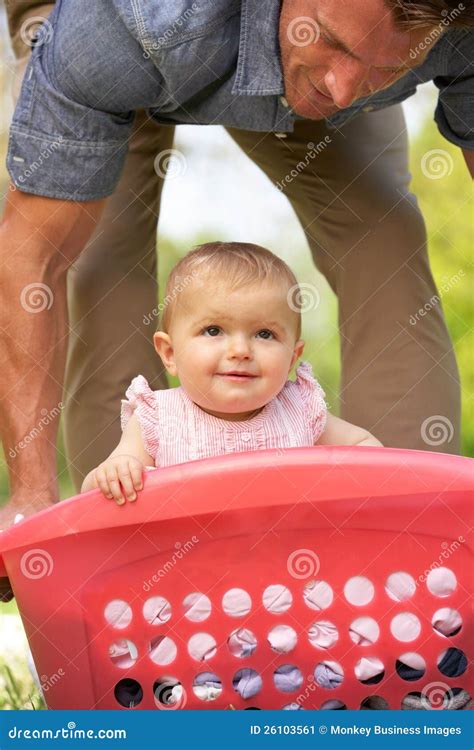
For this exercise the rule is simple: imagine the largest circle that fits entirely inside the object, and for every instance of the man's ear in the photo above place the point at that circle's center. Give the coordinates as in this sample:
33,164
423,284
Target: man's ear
164,349
297,352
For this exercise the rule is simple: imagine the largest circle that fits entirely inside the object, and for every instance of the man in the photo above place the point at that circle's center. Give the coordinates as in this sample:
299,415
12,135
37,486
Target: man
314,75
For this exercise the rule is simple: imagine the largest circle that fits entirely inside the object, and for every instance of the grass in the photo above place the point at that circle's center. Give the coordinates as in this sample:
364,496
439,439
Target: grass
18,690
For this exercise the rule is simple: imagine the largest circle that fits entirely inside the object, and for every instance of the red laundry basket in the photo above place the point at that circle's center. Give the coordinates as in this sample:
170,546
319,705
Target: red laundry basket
249,521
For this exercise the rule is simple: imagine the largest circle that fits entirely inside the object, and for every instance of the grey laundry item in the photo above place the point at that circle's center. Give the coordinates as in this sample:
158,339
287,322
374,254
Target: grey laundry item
293,707
328,674
288,678
456,699
333,705
247,683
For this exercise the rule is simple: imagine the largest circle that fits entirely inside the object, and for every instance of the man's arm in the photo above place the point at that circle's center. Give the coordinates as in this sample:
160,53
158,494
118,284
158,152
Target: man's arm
39,240
469,159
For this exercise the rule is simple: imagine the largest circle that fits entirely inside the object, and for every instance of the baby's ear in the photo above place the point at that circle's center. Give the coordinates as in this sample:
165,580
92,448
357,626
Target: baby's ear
164,349
298,351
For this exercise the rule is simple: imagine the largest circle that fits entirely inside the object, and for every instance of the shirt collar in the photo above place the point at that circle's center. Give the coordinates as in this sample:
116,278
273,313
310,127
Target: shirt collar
259,70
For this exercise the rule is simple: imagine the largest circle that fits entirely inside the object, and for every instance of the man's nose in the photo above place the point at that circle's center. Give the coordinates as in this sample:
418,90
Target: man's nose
350,81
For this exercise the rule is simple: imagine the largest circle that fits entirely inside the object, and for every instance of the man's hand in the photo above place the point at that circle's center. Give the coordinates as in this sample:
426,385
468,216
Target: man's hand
39,240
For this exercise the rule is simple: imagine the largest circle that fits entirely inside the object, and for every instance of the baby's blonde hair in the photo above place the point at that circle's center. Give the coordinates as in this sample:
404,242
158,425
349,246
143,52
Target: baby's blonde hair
237,264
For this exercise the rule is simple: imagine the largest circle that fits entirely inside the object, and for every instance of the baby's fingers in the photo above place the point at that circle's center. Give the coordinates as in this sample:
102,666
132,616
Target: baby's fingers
114,485
136,472
102,483
126,481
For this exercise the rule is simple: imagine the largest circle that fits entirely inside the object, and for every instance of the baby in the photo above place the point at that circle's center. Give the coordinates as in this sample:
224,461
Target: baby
231,332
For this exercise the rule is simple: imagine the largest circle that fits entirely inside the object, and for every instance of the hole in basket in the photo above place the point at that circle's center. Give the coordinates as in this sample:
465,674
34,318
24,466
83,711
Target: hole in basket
457,698
157,610
162,650
202,646
447,621
328,674
293,707
364,631
236,603
118,614
400,586
410,666
359,591
369,670
441,582
374,703
287,678
333,705
323,634
247,683
405,627
168,691
242,643
207,686
123,653
197,607
452,662
128,693
318,595
415,701
277,598
282,639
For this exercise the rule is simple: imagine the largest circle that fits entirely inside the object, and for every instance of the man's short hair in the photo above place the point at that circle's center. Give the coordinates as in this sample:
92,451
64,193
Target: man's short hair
450,13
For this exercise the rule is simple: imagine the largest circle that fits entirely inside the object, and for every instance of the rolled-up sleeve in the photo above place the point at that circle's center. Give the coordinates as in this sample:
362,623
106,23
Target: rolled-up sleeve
455,110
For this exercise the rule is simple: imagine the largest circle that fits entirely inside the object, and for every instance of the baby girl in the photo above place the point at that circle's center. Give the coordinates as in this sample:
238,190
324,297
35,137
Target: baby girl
231,334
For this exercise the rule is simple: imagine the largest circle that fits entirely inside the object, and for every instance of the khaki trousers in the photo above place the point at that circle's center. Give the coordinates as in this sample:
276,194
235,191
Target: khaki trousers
367,237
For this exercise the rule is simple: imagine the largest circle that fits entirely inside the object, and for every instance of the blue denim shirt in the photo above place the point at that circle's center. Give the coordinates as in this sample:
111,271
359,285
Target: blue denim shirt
186,61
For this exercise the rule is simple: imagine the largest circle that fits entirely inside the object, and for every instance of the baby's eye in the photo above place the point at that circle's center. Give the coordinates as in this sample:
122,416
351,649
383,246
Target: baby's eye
267,334
211,330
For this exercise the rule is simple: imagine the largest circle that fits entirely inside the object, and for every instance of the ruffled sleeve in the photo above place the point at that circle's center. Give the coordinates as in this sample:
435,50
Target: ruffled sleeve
314,399
141,400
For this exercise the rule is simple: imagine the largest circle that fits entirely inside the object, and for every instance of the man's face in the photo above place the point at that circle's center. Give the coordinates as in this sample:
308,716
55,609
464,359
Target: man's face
337,51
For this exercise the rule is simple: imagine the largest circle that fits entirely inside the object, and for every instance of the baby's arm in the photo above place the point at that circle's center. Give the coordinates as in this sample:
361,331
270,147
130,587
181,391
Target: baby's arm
121,473
339,432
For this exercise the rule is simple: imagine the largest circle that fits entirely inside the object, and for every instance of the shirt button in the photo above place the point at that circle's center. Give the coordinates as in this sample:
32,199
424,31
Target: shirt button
245,436
284,101
281,135
367,109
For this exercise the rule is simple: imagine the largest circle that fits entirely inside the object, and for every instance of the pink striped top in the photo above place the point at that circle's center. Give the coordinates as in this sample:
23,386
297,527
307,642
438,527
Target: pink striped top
176,430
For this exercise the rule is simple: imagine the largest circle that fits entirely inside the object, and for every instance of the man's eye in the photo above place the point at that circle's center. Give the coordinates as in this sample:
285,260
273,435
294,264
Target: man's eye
211,330
266,334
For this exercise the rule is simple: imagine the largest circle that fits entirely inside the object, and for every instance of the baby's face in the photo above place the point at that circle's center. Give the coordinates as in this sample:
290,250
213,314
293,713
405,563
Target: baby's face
217,332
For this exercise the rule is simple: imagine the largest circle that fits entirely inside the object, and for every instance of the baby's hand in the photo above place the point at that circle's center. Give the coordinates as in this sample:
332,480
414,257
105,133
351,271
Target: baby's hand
119,477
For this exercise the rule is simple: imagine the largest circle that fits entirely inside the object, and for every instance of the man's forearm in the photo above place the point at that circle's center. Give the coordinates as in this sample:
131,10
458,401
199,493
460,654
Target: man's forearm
39,239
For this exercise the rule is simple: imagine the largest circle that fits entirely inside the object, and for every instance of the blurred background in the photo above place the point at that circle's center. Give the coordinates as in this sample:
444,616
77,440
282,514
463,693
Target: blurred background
221,194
